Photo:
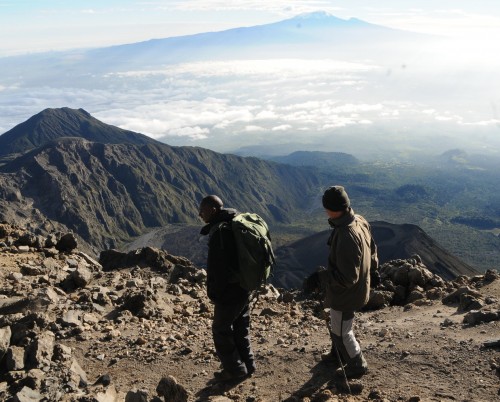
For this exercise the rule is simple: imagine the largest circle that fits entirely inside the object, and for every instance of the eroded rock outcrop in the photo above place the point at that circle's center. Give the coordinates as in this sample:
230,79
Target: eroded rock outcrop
409,282
146,305
56,293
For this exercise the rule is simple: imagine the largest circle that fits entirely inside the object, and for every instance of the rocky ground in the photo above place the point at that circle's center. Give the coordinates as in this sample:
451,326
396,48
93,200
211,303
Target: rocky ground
136,327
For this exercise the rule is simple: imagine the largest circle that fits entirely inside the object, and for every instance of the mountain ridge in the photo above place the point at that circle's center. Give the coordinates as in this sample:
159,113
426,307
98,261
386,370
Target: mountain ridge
54,123
301,258
298,259
276,39
317,159
312,20
109,191
311,36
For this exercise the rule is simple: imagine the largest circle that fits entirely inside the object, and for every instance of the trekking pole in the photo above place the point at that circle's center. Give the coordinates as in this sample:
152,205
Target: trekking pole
253,299
342,366
336,350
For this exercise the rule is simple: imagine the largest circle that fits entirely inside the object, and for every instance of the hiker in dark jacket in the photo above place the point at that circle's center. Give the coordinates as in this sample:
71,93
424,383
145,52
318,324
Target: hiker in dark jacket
353,256
231,323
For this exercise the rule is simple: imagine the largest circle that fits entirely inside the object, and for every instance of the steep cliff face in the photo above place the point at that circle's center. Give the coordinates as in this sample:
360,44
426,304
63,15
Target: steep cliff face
108,193
109,186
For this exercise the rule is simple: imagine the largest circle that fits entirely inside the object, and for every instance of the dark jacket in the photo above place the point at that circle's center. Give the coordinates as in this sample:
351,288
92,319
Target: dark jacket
222,260
353,254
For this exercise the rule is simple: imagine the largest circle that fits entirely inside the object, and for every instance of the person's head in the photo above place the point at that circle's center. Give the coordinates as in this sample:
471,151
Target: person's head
210,206
336,201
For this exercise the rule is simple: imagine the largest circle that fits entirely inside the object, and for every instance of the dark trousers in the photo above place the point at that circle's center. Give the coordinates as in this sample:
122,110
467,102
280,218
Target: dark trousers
231,334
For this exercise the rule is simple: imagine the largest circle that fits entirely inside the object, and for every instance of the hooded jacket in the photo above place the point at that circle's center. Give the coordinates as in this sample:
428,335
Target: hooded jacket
222,261
353,254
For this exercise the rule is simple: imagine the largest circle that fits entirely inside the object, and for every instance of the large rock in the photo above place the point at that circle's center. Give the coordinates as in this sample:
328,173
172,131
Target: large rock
48,296
77,374
62,353
171,390
31,270
89,260
27,239
379,299
408,280
71,318
137,396
81,276
34,378
478,317
469,302
107,395
51,240
26,394
419,276
5,334
14,358
144,303
454,297
67,242
41,350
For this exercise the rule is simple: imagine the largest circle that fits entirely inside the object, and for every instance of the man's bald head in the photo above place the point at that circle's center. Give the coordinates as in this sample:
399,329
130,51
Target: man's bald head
210,206
212,201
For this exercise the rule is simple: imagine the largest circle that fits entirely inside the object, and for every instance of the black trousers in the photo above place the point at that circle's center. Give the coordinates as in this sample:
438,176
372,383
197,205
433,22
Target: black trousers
231,335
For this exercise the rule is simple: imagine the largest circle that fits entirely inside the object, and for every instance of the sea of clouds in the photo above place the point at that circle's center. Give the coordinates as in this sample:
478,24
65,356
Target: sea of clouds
279,105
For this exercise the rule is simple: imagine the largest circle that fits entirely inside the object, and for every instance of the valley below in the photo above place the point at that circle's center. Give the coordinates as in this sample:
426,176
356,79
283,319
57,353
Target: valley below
102,266
103,296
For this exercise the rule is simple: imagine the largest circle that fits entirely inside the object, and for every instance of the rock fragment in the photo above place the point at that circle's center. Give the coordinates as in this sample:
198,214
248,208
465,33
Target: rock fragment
171,391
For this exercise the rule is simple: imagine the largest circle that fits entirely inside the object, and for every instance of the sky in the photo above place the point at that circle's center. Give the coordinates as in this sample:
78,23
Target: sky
43,25
286,104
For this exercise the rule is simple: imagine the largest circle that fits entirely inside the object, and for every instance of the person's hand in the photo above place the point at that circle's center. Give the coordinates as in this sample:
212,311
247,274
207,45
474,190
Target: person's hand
375,279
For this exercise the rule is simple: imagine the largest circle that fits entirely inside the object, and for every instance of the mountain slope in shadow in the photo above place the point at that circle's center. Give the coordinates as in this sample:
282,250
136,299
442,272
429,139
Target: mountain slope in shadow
108,185
301,258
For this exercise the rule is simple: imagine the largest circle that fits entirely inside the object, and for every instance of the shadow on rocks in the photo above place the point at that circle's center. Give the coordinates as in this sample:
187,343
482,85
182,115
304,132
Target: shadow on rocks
321,374
215,387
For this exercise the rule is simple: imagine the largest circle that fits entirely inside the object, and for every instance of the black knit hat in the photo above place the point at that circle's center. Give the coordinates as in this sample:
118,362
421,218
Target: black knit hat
336,199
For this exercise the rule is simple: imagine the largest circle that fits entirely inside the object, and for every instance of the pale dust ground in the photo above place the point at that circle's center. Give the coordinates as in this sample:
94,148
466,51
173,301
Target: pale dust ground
410,353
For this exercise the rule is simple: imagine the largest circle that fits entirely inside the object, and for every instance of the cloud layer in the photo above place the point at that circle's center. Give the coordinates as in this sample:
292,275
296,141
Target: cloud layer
227,105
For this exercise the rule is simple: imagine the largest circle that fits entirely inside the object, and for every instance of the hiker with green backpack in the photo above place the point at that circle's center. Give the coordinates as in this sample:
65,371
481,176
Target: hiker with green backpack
239,260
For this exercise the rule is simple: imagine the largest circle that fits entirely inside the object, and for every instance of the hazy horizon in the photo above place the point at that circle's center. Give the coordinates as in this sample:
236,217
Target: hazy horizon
47,25
433,96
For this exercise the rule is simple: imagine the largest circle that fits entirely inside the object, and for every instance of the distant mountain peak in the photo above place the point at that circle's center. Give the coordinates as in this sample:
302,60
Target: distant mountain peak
326,20
315,15
62,113
64,109
320,18
59,113
53,123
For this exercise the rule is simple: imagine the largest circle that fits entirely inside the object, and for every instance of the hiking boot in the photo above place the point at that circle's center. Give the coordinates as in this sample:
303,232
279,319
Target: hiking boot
330,357
355,367
225,375
250,368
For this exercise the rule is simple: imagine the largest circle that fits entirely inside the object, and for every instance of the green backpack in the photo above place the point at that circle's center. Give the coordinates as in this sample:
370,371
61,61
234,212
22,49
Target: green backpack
255,251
